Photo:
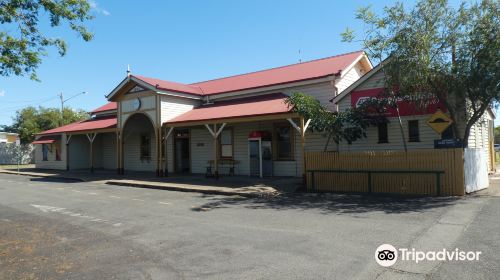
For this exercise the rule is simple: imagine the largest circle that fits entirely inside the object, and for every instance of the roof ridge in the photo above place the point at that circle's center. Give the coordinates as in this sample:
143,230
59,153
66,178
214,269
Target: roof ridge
194,87
274,68
170,81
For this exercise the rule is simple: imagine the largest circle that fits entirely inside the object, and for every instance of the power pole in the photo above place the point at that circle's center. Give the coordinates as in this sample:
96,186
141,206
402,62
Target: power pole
61,96
62,108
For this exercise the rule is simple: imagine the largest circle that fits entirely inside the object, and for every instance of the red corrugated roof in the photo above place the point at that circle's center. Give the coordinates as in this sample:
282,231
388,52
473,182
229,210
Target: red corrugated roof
108,107
92,124
286,74
167,85
275,76
243,107
45,140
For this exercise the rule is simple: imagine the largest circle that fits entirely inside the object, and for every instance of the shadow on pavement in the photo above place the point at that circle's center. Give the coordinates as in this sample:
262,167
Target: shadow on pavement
54,180
329,203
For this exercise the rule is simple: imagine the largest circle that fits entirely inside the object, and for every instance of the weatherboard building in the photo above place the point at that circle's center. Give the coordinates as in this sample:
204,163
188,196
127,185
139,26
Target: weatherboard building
235,125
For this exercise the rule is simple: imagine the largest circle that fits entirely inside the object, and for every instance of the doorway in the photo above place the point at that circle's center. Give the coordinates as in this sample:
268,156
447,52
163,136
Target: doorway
254,153
182,150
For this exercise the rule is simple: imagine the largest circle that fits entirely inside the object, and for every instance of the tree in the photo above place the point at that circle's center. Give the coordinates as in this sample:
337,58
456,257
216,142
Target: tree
30,121
22,44
349,125
434,50
497,134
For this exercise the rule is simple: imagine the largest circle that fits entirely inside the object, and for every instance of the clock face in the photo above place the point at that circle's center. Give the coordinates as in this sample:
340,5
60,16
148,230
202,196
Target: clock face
136,104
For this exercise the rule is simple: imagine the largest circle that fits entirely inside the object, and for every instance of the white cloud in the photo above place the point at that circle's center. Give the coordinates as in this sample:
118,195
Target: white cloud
2,93
95,6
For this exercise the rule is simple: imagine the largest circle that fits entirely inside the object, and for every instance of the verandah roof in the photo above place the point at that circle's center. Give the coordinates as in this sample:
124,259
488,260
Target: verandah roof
45,140
86,125
266,105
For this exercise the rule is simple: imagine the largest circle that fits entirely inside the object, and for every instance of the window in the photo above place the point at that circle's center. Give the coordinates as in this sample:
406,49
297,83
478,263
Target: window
284,142
383,136
413,131
145,147
226,144
45,152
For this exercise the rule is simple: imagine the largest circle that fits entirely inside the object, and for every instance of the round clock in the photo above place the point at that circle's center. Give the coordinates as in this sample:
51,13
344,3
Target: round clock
136,104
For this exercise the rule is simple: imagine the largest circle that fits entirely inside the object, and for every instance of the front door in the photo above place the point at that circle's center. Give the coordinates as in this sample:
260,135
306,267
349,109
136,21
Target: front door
255,157
182,155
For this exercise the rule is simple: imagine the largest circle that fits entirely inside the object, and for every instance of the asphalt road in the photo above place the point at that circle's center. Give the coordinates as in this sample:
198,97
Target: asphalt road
52,229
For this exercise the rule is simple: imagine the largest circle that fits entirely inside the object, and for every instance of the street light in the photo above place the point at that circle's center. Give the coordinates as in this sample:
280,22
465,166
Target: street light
64,100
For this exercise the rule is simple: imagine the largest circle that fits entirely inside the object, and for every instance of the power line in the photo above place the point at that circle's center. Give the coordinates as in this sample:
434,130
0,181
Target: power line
23,101
28,105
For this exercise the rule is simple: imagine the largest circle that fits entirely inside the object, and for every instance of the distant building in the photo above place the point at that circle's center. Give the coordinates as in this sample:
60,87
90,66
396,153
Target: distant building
7,137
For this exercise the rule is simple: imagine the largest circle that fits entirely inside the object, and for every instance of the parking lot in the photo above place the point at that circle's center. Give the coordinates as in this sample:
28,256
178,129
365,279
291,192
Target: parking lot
53,229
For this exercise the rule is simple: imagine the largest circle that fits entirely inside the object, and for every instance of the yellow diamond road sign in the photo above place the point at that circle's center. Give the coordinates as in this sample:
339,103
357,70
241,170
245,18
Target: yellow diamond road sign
439,121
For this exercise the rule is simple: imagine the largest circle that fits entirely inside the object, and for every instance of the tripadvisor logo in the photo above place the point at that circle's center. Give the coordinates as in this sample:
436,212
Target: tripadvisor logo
386,255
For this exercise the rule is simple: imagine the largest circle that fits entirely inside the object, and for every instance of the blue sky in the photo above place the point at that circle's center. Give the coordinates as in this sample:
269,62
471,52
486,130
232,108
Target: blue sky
182,41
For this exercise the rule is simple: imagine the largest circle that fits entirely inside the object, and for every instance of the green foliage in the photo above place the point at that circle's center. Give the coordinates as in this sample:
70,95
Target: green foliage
433,49
348,126
30,121
497,135
22,44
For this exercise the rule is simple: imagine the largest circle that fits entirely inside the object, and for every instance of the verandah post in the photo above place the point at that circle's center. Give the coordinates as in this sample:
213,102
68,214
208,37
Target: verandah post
92,156
68,138
91,138
118,151
157,148
216,165
160,132
303,150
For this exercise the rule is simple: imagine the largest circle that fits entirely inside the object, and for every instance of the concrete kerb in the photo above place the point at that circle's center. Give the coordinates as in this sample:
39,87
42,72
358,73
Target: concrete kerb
42,175
211,190
152,185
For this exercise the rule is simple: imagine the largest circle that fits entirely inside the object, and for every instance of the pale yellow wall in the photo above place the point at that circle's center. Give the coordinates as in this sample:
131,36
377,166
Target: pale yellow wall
11,138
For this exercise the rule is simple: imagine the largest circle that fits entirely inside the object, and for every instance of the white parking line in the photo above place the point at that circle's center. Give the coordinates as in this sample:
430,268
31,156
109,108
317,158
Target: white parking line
114,196
63,211
136,199
92,193
166,203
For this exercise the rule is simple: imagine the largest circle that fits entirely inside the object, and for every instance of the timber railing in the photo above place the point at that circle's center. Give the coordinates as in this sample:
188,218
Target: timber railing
369,173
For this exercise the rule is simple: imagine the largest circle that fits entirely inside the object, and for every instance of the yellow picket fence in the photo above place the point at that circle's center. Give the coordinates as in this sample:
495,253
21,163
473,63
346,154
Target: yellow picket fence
413,172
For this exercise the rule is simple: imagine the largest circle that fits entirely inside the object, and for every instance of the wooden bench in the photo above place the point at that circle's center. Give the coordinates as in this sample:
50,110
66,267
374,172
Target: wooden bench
221,162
